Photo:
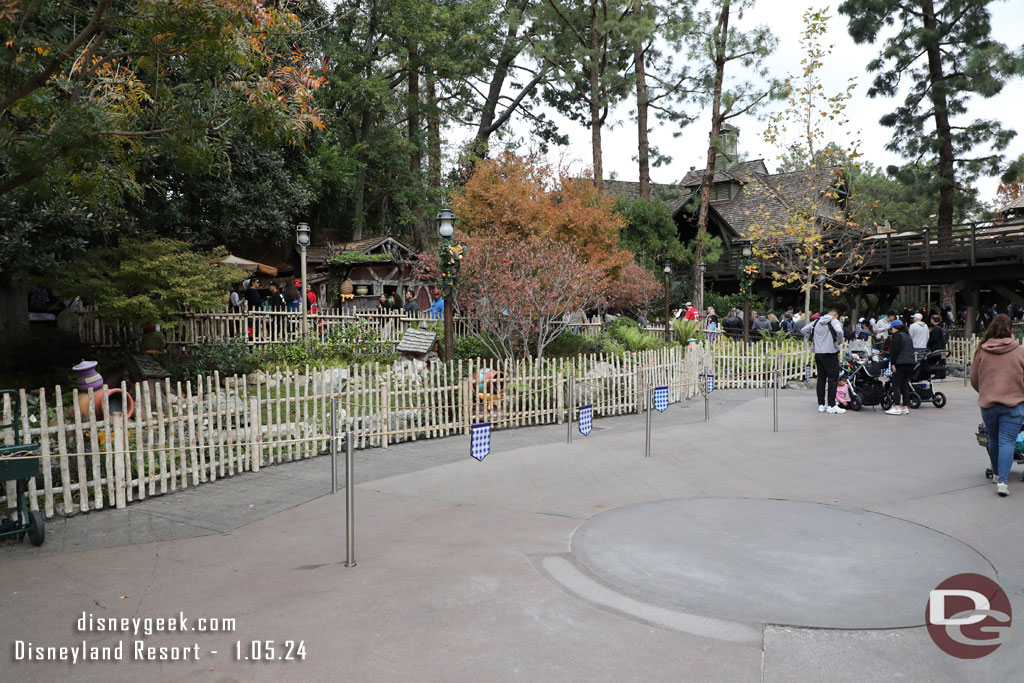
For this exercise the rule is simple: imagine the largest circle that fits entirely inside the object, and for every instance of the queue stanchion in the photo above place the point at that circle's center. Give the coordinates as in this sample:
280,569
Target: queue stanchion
775,395
569,404
350,523
334,445
650,401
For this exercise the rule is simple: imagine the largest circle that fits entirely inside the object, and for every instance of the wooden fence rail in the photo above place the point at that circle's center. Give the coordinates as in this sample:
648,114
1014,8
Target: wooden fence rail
262,328
186,433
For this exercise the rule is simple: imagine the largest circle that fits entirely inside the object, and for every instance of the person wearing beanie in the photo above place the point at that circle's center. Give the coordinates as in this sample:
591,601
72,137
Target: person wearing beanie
997,374
902,358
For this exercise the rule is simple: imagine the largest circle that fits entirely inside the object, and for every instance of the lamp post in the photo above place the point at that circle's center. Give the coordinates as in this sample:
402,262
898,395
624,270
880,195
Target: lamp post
302,239
744,262
702,268
667,269
446,231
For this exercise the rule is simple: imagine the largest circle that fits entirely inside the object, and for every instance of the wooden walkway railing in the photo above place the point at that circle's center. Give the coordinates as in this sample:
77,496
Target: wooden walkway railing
260,328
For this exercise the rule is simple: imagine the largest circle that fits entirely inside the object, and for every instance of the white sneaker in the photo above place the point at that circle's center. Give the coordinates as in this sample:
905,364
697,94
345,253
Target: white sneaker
1002,489
894,411
821,409
835,410
906,410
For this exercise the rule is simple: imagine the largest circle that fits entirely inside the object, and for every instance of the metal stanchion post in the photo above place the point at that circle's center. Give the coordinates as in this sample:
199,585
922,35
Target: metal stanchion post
650,400
350,524
775,395
704,390
569,403
334,445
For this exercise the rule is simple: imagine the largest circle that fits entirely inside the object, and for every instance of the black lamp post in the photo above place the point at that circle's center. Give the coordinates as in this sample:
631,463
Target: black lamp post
744,262
667,269
302,240
446,231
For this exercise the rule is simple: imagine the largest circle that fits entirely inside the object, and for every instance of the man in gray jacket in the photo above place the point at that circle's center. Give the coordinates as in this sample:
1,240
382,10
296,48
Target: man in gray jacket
826,334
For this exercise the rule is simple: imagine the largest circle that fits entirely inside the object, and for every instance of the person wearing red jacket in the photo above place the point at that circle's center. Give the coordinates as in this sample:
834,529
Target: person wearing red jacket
691,312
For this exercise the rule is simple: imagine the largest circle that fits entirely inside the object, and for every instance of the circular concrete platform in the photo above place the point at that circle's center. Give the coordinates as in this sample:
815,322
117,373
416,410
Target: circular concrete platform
774,561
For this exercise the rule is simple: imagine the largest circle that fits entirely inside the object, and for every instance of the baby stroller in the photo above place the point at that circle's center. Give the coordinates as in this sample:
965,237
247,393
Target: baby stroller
1018,448
867,374
931,366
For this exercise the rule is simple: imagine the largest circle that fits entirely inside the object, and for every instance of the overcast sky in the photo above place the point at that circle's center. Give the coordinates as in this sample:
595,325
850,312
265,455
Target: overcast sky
847,59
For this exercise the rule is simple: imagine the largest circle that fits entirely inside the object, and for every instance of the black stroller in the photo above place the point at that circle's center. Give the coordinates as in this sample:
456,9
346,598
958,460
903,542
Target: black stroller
931,366
867,373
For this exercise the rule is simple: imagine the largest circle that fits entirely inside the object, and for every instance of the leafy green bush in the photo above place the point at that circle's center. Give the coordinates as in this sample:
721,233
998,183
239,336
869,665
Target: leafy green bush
684,330
226,357
566,345
622,323
634,340
470,346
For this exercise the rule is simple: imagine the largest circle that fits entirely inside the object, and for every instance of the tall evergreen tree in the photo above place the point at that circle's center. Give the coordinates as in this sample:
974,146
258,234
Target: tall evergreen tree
944,54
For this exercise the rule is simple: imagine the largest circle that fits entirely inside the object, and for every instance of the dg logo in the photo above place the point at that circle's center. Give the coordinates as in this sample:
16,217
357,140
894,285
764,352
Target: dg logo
968,616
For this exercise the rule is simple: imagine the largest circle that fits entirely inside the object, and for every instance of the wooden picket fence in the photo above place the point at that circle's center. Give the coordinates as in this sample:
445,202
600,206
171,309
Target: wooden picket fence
262,328
183,434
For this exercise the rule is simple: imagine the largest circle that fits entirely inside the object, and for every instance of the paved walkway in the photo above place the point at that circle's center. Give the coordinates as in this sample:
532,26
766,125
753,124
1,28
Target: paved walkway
466,572
233,502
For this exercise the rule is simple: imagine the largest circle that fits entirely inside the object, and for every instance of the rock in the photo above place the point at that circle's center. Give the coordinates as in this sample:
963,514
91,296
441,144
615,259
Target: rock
331,380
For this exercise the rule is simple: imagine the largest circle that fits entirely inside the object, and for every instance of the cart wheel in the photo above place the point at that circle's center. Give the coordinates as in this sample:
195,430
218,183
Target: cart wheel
939,400
913,401
36,527
988,472
886,401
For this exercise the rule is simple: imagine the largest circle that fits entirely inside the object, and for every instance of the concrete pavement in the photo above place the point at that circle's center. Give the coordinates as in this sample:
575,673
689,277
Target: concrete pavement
466,573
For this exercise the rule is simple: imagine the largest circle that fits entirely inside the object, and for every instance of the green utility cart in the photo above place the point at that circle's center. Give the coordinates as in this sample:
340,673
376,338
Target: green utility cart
18,462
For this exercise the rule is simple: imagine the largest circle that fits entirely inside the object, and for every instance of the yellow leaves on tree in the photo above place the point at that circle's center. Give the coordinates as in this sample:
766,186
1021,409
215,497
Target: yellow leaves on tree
520,197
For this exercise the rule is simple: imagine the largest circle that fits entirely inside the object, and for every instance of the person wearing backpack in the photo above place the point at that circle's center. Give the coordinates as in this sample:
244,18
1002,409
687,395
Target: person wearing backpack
826,335
937,336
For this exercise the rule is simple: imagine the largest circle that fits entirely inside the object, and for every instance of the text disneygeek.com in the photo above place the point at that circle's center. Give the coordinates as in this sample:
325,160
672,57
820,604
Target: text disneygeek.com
139,651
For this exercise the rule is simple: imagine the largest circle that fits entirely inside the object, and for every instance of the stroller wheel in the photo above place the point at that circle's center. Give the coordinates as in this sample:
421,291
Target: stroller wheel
988,472
856,403
913,401
939,399
886,401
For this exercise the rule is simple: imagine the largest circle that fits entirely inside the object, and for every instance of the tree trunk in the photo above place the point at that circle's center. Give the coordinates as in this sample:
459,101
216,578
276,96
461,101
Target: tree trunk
643,144
418,237
359,212
595,96
942,127
720,46
433,133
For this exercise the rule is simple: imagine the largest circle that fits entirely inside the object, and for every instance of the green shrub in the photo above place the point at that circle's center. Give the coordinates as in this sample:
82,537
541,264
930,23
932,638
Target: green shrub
683,330
226,357
566,345
634,340
470,346
622,323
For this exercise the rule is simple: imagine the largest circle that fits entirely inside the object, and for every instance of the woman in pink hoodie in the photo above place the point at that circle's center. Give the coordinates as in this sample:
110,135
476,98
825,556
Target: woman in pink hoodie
997,374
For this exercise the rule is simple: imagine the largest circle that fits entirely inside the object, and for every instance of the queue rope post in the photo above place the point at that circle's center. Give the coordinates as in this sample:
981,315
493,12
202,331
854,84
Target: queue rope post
775,394
650,401
334,445
350,525
569,405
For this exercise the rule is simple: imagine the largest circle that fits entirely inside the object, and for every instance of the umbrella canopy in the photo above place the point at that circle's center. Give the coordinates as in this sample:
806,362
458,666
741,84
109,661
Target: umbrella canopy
246,265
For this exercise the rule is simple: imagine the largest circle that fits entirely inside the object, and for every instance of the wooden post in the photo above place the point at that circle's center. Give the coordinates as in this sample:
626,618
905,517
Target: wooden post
44,453
255,435
118,458
385,414
62,449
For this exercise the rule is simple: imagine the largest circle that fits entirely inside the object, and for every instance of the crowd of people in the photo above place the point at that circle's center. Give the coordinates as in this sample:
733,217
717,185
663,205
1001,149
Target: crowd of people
248,293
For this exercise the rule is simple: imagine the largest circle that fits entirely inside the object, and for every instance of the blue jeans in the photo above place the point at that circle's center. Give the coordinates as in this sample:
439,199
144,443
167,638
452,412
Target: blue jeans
1002,424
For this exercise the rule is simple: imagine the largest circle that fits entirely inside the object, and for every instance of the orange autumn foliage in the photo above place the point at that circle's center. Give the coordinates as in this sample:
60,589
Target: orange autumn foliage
519,197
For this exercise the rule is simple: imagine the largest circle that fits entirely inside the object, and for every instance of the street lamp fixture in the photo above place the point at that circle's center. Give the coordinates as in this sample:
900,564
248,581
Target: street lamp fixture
747,252
446,231
446,224
302,240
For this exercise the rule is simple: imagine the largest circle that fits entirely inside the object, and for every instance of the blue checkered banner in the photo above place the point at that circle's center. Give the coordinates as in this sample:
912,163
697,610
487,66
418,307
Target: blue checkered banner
888,371
807,374
586,419
480,445
709,380
660,399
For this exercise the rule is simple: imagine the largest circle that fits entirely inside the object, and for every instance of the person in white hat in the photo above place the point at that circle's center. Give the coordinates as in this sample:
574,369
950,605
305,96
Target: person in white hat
919,335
